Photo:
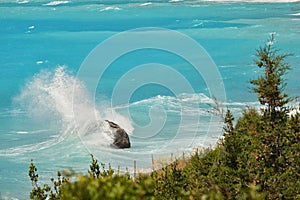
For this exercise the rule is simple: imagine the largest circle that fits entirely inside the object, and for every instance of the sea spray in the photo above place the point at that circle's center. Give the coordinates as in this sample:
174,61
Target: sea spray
54,96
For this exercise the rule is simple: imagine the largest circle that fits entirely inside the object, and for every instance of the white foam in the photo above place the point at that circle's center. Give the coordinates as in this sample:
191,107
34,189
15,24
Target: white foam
31,27
30,132
22,132
22,2
61,97
27,148
112,115
229,66
295,14
56,3
174,1
146,4
39,62
110,8
192,104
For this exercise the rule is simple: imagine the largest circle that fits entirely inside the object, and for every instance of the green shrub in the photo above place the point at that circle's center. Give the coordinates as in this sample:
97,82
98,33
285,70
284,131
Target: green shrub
258,158
46,191
108,187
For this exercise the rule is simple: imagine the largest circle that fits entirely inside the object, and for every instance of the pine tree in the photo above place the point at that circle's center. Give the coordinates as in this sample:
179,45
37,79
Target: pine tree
270,85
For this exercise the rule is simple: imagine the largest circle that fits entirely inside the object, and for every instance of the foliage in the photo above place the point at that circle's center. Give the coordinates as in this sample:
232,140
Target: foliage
45,192
108,187
270,86
107,184
258,157
101,183
170,182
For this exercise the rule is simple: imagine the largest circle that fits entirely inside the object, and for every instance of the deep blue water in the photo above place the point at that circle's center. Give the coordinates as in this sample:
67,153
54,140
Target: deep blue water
48,110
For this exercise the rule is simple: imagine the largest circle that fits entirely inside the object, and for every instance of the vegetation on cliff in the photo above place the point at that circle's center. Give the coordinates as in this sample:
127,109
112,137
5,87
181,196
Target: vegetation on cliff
258,157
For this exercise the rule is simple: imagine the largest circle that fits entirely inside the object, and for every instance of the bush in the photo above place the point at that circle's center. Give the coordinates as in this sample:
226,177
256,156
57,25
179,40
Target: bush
258,158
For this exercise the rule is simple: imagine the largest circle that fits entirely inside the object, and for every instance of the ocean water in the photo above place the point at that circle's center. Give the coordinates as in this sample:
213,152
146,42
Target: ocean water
66,66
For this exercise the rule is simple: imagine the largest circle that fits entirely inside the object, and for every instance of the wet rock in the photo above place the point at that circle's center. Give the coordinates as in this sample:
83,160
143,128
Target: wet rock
121,138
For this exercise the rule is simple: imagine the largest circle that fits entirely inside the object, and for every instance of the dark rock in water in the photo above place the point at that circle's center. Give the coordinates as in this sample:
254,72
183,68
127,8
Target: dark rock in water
121,138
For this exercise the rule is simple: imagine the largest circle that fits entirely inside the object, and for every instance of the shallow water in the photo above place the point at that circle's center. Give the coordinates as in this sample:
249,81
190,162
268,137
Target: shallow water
52,112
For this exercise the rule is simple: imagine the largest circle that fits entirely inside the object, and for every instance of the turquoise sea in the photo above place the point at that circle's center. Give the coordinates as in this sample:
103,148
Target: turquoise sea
63,72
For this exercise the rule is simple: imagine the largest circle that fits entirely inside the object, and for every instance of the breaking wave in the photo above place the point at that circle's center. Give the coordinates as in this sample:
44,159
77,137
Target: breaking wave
52,99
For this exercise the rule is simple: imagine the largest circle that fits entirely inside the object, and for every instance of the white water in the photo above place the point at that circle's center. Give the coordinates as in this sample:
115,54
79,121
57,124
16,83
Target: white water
58,97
